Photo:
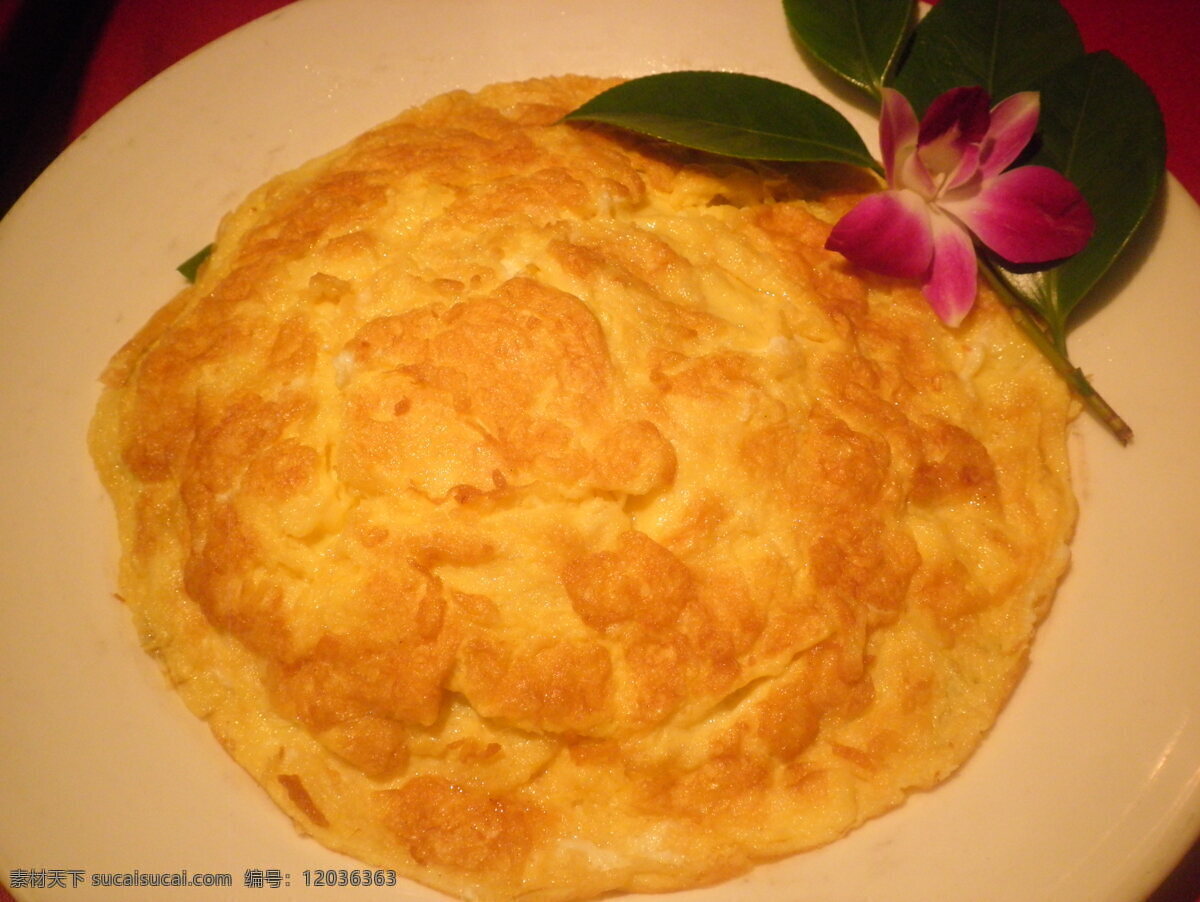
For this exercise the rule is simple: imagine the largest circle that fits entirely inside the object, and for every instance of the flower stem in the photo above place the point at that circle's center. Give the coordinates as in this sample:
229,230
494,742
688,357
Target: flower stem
1055,352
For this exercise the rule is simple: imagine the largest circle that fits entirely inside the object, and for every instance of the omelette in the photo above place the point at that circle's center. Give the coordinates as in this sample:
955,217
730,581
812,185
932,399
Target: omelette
540,512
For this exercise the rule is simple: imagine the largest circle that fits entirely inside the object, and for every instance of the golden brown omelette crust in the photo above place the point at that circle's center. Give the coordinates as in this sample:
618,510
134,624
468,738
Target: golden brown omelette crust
542,512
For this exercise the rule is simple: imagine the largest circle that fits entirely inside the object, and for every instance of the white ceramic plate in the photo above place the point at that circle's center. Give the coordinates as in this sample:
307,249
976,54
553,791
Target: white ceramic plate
1089,787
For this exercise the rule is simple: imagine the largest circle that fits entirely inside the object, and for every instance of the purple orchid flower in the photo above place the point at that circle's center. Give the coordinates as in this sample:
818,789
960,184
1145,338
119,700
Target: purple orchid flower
947,182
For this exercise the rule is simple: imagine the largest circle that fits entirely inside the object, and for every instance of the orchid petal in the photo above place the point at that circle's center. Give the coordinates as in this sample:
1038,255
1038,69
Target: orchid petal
898,130
886,233
951,286
1014,121
1030,214
955,122
965,170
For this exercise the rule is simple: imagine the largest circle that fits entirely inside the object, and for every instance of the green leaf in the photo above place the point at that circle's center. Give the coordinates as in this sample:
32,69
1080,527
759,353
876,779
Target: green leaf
191,266
1102,128
856,39
1004,46
742,116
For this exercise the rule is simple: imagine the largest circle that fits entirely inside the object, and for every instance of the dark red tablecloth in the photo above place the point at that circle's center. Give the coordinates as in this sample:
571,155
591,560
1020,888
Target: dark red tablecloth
1159,39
